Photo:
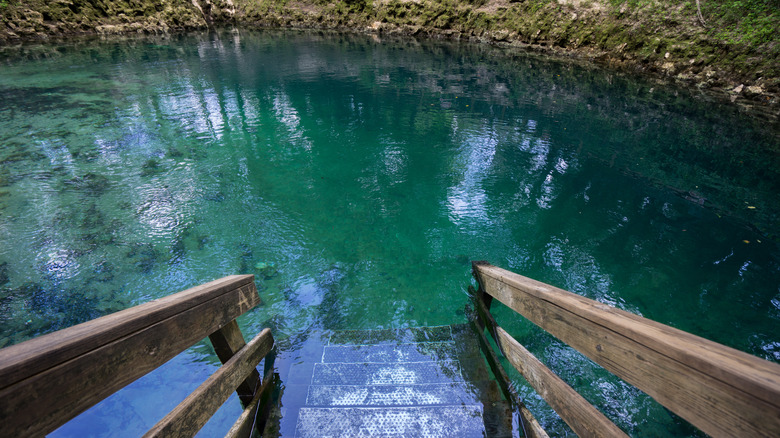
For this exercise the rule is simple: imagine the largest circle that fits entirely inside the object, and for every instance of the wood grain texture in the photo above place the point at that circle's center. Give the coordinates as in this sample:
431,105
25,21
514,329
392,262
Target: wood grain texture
242,428
584,419
23,360
192,413
722,391
122,348
228,341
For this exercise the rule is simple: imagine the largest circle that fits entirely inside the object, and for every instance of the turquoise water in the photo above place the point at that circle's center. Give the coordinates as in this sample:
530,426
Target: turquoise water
358,177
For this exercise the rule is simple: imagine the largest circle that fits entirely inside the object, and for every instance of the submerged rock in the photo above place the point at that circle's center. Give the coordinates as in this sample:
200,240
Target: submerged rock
144,257
267,270
151,167
4,273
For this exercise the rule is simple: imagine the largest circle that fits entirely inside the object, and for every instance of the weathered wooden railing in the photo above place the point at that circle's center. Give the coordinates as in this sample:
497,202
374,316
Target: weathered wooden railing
47,381
722,391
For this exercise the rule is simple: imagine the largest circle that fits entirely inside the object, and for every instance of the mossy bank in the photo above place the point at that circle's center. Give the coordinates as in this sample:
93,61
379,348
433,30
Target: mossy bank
730,47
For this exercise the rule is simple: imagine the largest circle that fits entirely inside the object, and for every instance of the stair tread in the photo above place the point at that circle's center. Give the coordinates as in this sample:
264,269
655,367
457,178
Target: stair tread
393,395
392,336
405,352
397,373
423,421
418,382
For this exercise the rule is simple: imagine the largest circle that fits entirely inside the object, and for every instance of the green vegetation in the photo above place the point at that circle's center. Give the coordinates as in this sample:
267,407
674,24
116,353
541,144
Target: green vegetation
733,42
753,22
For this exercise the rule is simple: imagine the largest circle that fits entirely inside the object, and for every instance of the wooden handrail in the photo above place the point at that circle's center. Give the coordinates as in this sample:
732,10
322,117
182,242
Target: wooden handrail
578,413
193,413
720,390
86,363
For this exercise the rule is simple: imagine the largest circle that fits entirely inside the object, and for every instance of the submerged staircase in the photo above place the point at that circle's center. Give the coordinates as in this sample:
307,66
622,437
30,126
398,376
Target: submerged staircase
416,382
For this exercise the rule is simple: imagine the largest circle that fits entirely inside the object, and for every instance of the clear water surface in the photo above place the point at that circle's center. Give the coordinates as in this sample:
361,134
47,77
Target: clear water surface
357,178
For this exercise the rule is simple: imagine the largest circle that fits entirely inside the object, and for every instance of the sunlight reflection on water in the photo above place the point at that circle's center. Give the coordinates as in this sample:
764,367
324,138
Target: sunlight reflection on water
370,175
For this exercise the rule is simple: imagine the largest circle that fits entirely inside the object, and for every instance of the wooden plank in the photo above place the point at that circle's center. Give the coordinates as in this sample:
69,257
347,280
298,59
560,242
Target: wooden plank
28,408
722,391
578,413
23,360
227,341
242,428
192,413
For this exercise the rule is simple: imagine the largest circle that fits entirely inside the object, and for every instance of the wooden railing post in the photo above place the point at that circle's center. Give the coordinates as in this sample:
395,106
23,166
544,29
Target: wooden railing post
227,341
257,411
484,319
269,397
483,301
527,422
481,295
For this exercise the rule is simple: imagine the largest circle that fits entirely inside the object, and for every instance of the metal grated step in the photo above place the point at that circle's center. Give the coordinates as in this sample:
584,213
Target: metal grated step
399,373
410,352
391,395
428,421
416,382
392,336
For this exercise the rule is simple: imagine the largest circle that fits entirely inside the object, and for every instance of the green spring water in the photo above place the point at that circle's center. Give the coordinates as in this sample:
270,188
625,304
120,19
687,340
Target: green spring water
357,178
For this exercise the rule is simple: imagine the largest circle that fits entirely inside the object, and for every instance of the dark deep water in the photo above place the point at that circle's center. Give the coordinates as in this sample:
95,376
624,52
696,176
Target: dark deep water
357,178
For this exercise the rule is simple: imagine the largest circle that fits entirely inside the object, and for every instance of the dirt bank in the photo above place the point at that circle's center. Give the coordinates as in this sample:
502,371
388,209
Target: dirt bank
668,40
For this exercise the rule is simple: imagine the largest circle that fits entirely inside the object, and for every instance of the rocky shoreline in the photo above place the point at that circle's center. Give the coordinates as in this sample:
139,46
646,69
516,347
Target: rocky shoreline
674,48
